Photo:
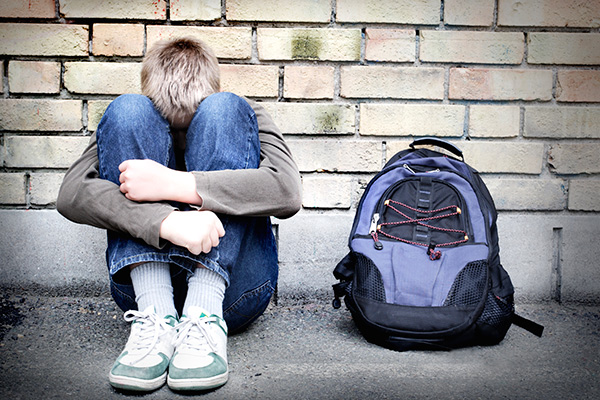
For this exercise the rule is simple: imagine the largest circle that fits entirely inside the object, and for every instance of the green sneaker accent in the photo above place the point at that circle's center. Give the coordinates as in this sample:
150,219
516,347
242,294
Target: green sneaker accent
153,372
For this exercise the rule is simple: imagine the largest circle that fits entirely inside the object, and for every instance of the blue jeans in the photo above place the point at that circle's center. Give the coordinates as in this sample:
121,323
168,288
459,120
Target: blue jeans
223,134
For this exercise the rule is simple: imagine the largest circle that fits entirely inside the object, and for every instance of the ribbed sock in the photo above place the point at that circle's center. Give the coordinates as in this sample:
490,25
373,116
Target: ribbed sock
206,289
152,286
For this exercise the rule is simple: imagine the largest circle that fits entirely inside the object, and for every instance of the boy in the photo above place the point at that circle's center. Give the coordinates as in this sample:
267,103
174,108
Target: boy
184,179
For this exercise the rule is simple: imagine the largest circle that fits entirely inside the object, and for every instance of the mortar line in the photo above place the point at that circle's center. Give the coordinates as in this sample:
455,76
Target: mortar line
556,294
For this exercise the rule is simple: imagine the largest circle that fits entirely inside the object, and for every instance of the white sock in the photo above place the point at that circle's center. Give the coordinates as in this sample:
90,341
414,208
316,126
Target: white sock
152,286
206,289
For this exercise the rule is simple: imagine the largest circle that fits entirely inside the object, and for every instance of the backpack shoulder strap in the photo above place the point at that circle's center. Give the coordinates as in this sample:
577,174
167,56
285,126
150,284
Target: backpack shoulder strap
528,325
344,272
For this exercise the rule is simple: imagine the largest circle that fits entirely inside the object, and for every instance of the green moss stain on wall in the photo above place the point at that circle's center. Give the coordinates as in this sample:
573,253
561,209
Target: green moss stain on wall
306,46
329,121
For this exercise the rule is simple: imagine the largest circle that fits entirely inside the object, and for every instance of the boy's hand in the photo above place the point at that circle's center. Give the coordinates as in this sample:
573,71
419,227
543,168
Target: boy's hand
147,180
197,231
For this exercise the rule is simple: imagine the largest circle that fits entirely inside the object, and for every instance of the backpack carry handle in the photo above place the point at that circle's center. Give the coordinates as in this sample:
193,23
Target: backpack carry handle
440,143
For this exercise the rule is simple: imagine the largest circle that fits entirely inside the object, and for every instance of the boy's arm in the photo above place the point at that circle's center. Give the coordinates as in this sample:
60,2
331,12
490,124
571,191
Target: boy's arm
274,189
85,198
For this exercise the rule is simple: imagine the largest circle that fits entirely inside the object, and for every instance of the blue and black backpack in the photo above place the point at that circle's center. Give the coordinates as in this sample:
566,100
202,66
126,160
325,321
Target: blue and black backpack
423,271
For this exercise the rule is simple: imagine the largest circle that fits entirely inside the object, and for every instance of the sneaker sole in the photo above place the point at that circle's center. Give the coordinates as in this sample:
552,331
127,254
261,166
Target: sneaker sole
134,384
198,384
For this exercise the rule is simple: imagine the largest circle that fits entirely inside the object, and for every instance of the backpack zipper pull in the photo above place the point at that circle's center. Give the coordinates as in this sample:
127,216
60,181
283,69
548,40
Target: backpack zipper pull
409,168
373,232
374,222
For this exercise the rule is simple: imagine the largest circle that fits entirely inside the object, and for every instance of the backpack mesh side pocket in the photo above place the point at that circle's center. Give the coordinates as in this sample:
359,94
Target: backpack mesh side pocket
469,286
367,279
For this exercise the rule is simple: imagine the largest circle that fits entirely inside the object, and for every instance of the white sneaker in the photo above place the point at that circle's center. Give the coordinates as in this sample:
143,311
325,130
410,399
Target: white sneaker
200,359
142,366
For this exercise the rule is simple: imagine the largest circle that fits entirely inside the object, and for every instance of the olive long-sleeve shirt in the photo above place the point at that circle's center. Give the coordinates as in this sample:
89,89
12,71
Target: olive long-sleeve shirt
273,189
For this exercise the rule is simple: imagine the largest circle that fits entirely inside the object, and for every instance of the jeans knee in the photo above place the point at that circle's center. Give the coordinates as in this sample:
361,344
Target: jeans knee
222,102
127,115
129,109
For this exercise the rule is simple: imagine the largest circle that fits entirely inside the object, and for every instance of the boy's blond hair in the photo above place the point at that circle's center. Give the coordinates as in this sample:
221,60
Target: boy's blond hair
177,75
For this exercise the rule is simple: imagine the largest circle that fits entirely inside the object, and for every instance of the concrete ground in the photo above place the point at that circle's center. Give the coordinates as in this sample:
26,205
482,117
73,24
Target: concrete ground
62,348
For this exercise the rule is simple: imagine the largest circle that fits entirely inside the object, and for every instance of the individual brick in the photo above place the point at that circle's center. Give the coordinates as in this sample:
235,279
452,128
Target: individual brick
472,47
493,156
226,42
34,76
13,188
309,44
500,84
43,187
392,45
578,86
563,48
583,195
503,157
469,12
28,9
546,13
527,194
102,77
43,151
195,10
96,109
59,40
424,12
494,121
40,115
250,80
312,118
392,82
114,9
562,122
118,40
308,82
279,10
412,119
332,155
327,191
575,158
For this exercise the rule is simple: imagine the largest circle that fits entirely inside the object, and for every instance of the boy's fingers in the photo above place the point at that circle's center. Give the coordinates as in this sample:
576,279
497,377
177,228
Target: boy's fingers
220,229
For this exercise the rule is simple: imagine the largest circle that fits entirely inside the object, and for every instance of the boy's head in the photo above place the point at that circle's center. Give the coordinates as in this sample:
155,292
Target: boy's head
177,75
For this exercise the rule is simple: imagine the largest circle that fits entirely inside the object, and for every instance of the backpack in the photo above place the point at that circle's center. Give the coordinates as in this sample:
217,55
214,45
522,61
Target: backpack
423,271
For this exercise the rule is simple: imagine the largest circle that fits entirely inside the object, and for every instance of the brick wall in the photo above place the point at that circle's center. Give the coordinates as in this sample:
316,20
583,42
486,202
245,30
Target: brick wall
515,84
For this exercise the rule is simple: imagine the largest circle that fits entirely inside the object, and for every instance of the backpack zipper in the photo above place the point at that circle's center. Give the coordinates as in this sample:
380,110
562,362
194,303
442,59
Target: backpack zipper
373,232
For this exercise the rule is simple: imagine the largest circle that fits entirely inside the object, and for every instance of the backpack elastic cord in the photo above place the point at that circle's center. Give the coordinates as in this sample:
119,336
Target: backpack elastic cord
421,221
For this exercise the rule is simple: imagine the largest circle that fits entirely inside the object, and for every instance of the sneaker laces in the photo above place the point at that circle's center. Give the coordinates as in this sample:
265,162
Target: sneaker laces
194,332
149,331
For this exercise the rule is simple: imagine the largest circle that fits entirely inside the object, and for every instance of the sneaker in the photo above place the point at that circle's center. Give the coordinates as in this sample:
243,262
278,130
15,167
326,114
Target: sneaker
200,359
142,366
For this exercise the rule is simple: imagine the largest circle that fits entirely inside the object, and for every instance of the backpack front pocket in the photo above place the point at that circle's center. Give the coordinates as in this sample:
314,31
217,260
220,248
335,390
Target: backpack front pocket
422,211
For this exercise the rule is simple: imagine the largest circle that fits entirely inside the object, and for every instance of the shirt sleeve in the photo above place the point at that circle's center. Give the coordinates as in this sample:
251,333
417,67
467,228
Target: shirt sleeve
86,198
273,189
